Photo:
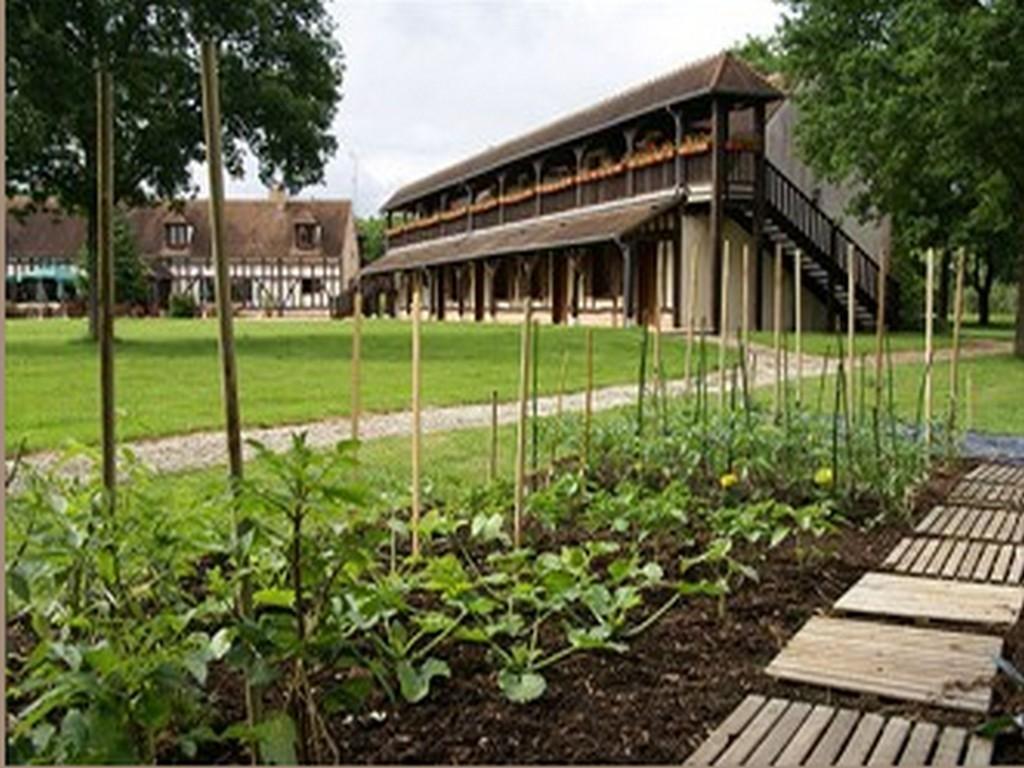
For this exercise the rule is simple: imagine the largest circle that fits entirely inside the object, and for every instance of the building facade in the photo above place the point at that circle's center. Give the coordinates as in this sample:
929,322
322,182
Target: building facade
620,212
284,254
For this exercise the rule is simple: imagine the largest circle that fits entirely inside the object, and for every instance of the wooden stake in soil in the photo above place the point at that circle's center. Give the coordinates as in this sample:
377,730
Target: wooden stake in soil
492,469
723,325
417,321
954,363
691,321
745,297
524,390
851,306
883,268
777,327
357,358
105,273
588,400
970,401
929,319
798,323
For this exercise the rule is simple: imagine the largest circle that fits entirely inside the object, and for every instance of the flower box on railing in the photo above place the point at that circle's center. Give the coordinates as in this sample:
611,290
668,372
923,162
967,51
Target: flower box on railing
650,157
695,145
484,205
517,197
605,172
558,185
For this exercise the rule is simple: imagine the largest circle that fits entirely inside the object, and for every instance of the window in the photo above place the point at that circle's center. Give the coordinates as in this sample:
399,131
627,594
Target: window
306,236
177,234
311,285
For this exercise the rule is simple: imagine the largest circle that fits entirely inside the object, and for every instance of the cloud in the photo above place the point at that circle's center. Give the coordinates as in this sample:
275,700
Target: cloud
432,81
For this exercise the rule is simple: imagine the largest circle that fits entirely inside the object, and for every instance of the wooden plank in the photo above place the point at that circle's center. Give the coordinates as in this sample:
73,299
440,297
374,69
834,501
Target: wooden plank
950,747
891,742
970,560
897,553
807,736
1001,567
781,735
910,556
886,594
984,566
949,669
1017,566
747,741
732,726
863,739
927,553
955,557
937,563
835,736
979,751
919,745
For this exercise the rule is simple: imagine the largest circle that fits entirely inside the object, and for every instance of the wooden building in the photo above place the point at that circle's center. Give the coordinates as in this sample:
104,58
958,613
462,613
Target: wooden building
284,254
604,214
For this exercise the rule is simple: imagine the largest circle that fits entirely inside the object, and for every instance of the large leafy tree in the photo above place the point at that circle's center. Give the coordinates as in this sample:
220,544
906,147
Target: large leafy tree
920,103
281,74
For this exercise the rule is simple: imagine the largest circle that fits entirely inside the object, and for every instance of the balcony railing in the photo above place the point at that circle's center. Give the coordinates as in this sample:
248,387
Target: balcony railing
643,174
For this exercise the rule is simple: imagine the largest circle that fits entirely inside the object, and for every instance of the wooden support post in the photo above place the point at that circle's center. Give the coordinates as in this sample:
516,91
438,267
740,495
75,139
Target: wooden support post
929,320
954,363
745,298
677,268
417,300
588,399
524,390
720,133
492,468
691,313
357,358
105,275
777,326
883,268
851,326
723,323
798,325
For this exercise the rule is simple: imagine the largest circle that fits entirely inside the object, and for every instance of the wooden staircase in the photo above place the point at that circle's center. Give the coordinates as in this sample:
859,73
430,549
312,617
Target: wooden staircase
793,220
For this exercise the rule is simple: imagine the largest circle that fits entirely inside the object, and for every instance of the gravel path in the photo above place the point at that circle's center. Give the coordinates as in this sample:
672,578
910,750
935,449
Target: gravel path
179,453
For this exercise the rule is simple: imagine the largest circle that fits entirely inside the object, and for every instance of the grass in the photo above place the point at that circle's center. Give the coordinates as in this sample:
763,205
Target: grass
168,380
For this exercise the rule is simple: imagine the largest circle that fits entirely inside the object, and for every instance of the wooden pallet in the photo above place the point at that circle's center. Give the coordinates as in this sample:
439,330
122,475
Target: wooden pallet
764,731
947,669
979,523
994,495
958,559
886,594
993,472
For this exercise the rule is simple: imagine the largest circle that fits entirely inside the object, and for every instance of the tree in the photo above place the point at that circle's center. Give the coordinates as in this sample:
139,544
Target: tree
372,237
281,70
131,285
921,104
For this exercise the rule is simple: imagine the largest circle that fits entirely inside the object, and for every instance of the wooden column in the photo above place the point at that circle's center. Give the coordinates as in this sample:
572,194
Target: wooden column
719,131
677,268
628,303
579,152
629,134
760,193
459,276
479,279
439,279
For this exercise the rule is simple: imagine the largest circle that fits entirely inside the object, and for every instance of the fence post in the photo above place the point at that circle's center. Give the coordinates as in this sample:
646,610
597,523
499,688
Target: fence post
105,274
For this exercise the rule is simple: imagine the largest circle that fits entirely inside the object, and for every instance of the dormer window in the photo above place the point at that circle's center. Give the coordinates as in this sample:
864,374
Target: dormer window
177,234
307,236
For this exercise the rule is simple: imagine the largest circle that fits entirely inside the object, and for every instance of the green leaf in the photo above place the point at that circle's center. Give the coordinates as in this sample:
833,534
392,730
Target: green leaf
521,687
415,682
220,643
276,737
274,598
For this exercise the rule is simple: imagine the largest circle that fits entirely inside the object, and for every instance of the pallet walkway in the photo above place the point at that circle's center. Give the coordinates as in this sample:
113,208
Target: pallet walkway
779,731
935,667
993,495
995,472
978,523
959,559
911,597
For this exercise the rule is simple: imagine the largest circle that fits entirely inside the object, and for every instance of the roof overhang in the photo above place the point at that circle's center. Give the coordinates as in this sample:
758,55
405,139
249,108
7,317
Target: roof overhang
585,226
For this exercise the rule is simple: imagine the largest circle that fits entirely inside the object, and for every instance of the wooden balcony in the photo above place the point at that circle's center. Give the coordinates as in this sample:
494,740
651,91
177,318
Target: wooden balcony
592,188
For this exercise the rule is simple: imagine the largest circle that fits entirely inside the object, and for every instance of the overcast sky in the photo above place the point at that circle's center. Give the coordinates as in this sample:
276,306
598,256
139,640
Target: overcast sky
429,82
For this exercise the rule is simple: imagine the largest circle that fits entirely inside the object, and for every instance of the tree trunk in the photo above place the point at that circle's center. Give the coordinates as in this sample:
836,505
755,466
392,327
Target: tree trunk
982,283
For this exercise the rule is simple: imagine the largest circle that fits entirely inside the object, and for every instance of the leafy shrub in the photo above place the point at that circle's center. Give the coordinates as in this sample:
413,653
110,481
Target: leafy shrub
182,305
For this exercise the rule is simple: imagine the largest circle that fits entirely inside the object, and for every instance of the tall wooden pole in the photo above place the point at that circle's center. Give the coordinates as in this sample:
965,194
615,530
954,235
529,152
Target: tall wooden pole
524,389
798,321
588,407
357,361
723,323
851,352
492,468
929,319
417,321
954,363
883,269
691,311
745,299
777,326
229,370
105,272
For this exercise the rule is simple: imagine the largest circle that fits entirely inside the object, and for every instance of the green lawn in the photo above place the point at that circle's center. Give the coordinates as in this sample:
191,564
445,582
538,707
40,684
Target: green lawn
290,371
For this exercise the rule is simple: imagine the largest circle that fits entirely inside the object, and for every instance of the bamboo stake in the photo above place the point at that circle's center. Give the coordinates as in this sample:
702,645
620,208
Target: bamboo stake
524,390
535,421
692,316
723,322
492,469
105,274
954,363
883,269
928,331
229,370
417,322
798,322
851,304
588,407
970,401
777,327
357,356
746,296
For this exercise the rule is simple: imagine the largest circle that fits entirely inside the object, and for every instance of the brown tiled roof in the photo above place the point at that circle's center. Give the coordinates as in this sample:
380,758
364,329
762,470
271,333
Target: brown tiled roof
586,225
255,229
722,74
